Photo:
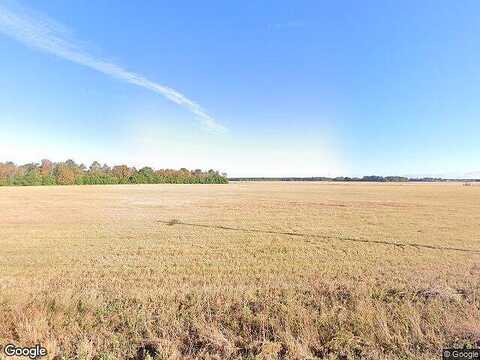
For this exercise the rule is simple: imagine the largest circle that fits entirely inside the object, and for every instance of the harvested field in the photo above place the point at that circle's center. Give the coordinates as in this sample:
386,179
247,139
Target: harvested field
241,271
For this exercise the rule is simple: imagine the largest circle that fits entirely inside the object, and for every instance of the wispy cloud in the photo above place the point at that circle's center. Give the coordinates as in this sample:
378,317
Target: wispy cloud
47,35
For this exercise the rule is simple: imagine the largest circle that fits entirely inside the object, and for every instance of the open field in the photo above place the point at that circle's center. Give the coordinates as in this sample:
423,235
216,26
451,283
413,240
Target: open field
244,270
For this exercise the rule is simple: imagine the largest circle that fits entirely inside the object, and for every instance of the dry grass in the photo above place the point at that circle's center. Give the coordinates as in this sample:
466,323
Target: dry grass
245,270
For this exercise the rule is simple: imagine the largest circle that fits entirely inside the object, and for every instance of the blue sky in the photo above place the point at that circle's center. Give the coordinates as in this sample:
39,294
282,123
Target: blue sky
260,88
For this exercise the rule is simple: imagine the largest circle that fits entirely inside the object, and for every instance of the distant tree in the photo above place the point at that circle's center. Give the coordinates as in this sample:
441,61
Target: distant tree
71,163
122,173
145,175
105,168
46,167
33,177
95,168
396,179
373,178
7,173
67,173
49,180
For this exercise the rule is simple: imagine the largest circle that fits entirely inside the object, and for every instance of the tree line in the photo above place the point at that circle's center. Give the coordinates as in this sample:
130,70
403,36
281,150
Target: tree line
371,178
70,173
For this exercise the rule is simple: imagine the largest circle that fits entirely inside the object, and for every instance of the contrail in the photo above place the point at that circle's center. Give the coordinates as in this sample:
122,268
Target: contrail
47,35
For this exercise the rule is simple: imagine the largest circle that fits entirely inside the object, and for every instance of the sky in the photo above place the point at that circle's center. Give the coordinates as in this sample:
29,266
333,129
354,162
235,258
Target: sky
251,88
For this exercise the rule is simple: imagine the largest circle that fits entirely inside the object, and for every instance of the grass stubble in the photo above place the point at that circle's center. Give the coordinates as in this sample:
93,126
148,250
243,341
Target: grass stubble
241,271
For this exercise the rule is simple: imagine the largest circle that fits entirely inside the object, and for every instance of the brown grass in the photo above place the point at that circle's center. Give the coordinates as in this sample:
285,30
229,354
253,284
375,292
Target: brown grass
245,270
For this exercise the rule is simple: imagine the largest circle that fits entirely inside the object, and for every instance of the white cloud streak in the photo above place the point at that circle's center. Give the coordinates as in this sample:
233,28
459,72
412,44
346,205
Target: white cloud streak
42,33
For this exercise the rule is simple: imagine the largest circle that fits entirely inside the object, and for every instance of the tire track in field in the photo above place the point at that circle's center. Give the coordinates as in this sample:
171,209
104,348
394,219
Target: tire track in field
326,237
